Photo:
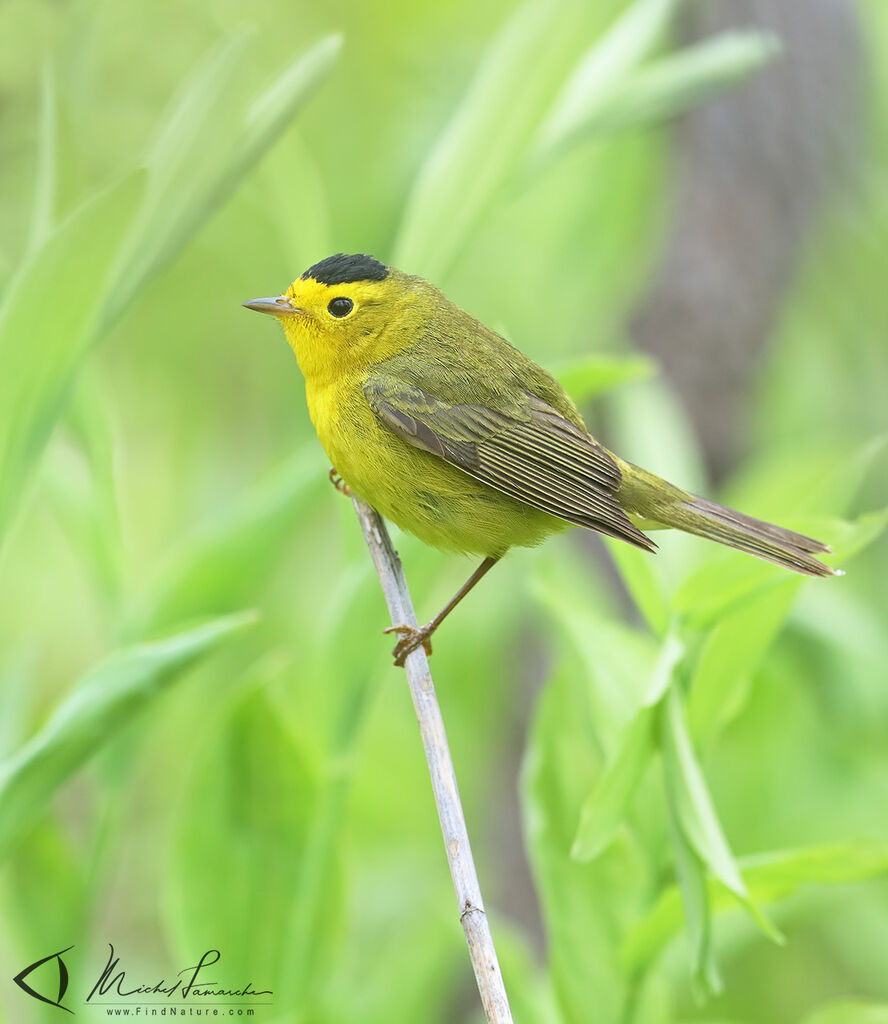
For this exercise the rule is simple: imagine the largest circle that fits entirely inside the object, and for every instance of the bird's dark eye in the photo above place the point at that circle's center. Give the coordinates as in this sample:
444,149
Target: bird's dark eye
340,307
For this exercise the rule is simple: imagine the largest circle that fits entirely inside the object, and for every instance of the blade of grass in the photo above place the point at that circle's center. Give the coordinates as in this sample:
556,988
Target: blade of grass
486,136
258,787
849,1011
78,480
769,877
608,803
16,693
100,704
729,578
821,482
43,208
639,571
695,904
726,579
294,199
601,71
72,287
835,489
577,900
47,321
694,809
194,123
672,84
202,152
221,565
731,653
309,910
616,662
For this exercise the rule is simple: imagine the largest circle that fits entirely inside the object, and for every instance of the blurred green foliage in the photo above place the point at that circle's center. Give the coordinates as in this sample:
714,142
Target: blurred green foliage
702,772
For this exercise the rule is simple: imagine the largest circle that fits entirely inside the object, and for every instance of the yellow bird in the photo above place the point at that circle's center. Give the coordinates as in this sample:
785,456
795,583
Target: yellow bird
449,431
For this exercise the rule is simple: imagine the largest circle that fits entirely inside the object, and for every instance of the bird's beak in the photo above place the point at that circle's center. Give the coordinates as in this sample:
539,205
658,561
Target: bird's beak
279,306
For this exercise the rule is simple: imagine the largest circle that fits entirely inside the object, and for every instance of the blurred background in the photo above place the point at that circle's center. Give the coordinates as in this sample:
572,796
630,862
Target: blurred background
674,769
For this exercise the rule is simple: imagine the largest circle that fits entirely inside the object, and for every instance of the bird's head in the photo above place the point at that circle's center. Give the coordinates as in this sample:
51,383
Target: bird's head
346,311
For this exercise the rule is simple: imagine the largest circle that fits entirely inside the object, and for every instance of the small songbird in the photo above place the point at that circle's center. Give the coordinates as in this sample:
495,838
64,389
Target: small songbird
449,431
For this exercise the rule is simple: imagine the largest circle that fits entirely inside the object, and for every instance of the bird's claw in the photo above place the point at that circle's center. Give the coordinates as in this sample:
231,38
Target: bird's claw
411,638
339,483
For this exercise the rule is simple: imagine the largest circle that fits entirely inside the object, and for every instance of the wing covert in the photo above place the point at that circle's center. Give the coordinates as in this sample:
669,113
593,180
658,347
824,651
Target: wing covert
534,454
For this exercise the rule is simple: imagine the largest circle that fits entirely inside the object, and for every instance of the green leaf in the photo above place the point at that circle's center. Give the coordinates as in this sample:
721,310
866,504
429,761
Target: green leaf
673,83
17,676
43,209
849,1011
639,572
835,489
731,653
693,804
268,115
222,564
80,481
775,875
607,804
529,985
593,375
695,902
486,136
731,577
310,920
769,877
850,538
253,787
617,662
45,890
694,809
725,580
601,71
579,902
202,152
294,197
823,481
47,322
100,704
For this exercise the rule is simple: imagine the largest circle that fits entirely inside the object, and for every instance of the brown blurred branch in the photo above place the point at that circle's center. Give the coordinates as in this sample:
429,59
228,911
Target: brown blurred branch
434,740
753,168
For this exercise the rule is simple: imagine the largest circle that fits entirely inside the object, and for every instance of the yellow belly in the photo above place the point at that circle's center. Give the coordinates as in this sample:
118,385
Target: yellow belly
418,491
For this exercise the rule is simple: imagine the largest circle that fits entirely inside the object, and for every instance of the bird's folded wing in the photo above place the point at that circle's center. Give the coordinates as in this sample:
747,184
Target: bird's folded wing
533,454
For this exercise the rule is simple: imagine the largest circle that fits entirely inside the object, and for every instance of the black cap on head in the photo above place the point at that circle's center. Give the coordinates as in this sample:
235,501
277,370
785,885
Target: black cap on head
345,269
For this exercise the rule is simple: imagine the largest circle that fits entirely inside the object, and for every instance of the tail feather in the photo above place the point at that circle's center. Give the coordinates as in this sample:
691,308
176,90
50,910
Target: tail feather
654,499
754,536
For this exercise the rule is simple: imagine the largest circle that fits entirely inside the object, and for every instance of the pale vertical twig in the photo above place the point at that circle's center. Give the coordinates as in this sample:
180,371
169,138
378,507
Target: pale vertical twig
434,740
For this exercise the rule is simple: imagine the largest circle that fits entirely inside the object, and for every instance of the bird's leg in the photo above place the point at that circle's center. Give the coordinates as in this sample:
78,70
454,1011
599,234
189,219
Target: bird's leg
339,483
413,636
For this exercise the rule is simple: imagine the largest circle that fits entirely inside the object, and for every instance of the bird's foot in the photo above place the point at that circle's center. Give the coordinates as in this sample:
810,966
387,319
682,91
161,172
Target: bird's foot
411,638
339,483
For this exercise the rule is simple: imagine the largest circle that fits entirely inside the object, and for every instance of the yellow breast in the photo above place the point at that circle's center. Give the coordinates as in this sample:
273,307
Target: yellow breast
350,432
420,492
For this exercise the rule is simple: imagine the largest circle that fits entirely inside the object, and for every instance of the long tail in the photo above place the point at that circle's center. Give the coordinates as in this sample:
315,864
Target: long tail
663,504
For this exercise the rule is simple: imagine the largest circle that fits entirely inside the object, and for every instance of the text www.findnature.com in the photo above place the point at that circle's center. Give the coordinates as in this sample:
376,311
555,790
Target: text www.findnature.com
185,1011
